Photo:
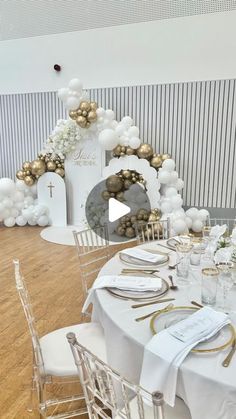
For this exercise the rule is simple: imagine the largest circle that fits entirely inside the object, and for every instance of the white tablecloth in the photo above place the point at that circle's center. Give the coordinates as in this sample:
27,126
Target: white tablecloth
208,389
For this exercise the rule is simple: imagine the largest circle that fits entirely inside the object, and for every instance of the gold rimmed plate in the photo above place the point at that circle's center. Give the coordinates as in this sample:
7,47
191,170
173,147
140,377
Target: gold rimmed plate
140,295
218,342
130,260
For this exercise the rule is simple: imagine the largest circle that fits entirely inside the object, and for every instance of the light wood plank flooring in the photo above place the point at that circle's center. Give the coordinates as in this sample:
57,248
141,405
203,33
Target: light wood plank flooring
51,274
52,277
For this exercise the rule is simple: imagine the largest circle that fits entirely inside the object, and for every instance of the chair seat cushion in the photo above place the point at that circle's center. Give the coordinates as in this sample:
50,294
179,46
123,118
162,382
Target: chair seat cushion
180,411
56,351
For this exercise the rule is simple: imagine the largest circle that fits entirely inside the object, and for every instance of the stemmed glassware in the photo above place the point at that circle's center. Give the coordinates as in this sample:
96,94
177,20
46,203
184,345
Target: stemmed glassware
225,281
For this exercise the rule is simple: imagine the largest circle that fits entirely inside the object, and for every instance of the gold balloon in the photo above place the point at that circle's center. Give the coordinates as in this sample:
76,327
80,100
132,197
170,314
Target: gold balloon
156,162
60,172
79,112
38,167
51,166
84,106
120,231
127,184
117,151
84,113
130,151
165,156
120,196
145,151
130,232
29,180
92,116
26,165
123,149
114,183
152,218
126,174
81,121
93,106
106,195
20,174
73,114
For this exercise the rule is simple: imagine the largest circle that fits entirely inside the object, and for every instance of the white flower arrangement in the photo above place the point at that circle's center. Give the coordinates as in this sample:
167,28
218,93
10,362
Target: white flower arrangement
63,139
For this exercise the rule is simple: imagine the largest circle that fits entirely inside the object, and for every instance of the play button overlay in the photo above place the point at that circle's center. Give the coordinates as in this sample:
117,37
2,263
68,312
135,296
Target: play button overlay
118,205
116,209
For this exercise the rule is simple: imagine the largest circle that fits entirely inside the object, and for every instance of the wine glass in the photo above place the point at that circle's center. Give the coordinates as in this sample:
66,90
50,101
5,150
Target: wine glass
225,281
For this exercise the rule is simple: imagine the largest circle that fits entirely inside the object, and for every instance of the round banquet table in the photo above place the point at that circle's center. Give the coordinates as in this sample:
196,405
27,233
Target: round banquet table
208,389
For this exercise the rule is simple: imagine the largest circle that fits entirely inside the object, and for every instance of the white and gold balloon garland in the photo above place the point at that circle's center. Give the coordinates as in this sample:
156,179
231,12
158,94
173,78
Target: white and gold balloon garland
88,120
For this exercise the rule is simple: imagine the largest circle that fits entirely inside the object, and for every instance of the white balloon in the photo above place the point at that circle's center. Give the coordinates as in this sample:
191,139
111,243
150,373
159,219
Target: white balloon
197,226
29,200
14,212
43,221
127,121
124,140
133,131
169,165
72,103
192,213
7,186
189,222
179,226
18,196
32,222
19,205
33,189
203,214
7,202
179,213
114,124
100,112
21,221
134,142
120,129
108,139
164,176
179,184
173,176
5,213
63,93
176,201
9,222
76,84
20,185
170,192
110,114
166,207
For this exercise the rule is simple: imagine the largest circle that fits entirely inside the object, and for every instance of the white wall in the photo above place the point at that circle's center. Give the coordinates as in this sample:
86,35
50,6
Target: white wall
184,49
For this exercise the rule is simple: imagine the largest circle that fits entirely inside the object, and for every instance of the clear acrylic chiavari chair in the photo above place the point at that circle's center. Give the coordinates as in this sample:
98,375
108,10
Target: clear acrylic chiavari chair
93,252
154,230
54,374
107,394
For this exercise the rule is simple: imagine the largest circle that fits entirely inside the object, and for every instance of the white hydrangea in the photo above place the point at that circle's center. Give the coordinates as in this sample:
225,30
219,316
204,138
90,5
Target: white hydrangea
63,139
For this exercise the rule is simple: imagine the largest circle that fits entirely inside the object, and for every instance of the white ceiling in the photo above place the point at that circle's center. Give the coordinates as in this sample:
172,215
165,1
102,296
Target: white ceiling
28,18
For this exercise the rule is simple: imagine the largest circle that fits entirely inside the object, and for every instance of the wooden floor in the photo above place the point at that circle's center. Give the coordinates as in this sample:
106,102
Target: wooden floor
51,274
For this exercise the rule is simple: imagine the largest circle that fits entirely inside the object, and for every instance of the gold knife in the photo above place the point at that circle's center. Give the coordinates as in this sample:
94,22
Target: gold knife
167,308
227,360
164,300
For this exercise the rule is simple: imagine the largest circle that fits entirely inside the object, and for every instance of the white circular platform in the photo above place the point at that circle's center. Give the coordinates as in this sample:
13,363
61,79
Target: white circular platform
64,235
59,235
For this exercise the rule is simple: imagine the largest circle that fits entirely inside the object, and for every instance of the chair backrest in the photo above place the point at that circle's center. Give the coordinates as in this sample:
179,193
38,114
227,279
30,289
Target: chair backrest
150,231
93,253
231,223
26,304
107,392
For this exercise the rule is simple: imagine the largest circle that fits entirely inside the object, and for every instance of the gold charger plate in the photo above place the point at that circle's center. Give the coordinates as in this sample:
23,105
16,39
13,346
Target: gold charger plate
220,340
138,295
130,260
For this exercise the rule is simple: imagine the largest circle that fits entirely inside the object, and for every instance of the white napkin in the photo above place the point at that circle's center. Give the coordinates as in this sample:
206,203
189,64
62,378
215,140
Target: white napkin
223,255
217,231
165,352
233,236
142,254
129,283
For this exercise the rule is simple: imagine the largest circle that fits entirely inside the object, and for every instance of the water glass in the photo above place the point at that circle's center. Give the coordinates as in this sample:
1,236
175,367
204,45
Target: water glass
209,285
197,251
183,252
226,281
